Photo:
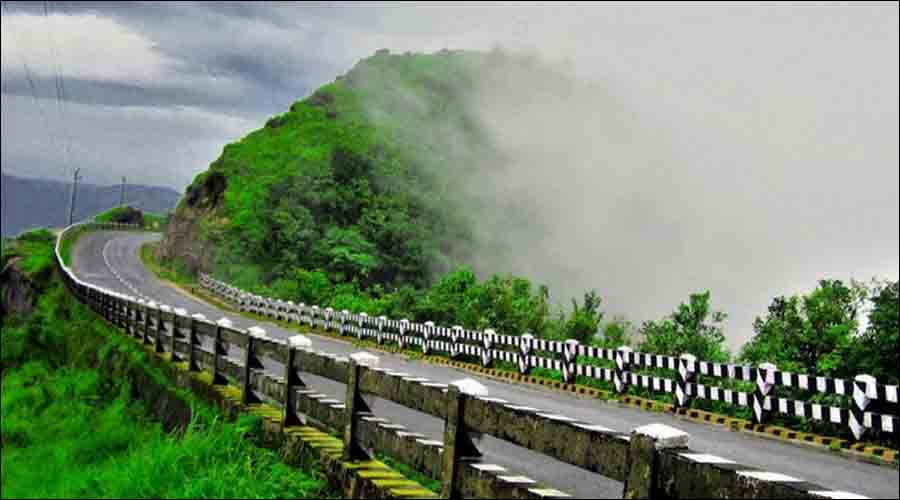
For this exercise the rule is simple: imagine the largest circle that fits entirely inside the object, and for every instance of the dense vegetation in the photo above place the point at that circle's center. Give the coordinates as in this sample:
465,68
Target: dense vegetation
346,182
130,215
71,430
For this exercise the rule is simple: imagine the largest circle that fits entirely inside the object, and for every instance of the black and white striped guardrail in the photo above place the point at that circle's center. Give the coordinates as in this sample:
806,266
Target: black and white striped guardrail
574,360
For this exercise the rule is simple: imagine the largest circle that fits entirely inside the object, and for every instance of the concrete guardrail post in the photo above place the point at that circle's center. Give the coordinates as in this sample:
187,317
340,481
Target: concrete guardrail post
382,324
642,478
194,344
623,365
146,334
292,381
865,390
765,382
252,363
487,348
456,336
176,336
403,340
160,328
356,408
428,330
570,361
459,447
526,344
687,375
220,351
363,322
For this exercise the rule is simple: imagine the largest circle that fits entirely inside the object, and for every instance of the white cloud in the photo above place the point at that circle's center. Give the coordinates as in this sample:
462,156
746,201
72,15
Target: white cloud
155,146
82,46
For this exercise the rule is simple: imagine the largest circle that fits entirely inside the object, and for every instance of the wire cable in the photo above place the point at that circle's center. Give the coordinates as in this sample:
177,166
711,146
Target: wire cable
60,90
32,86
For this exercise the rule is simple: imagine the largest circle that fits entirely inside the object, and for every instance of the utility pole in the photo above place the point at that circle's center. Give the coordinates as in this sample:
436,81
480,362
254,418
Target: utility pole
122,200
74,196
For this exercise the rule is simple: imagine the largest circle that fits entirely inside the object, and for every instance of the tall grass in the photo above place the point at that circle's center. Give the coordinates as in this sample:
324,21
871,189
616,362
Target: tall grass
71,430
67,433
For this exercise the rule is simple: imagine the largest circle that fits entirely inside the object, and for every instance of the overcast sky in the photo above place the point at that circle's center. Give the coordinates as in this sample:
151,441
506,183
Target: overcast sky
774,127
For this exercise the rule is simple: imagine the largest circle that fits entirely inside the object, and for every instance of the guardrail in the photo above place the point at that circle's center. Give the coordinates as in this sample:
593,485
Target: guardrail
652,462
574,360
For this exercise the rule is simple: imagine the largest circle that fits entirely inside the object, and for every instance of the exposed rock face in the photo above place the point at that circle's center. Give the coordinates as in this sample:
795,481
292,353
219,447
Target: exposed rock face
185,240
18,292
182,242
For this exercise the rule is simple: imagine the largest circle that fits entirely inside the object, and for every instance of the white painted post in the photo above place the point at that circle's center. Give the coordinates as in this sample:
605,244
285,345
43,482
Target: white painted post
687,374
865,390
623,363
765,382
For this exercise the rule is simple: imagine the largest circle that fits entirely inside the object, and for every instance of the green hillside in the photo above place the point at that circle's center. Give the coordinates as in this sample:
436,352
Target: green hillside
354,180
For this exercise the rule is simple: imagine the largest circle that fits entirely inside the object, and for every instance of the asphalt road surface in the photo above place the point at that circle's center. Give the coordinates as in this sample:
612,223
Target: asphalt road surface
111,260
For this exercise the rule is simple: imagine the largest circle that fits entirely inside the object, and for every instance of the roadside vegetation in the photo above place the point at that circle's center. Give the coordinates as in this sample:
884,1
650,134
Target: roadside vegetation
129,215
169,270
72,430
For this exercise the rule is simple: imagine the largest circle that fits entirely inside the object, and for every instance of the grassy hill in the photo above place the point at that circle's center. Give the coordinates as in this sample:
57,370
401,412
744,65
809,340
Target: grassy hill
354,180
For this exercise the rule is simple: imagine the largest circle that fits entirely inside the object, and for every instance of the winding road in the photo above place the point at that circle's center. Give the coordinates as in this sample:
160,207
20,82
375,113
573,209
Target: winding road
111,260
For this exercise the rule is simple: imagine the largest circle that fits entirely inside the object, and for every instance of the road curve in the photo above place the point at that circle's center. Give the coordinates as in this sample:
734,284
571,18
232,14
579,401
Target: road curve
111,259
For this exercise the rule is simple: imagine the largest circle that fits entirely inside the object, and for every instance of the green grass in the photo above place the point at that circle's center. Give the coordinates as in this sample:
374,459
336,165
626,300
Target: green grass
173,272
68,243
72,430
154,222
67,433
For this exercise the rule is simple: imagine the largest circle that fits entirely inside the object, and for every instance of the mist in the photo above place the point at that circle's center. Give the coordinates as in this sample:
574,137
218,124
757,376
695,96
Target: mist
750,152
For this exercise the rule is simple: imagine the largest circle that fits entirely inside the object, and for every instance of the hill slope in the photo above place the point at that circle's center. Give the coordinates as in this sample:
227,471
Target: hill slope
358,180
34,203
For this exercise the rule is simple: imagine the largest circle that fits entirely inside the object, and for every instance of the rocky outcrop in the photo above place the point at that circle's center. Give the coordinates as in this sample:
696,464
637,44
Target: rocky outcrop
187,237
19,294
182,242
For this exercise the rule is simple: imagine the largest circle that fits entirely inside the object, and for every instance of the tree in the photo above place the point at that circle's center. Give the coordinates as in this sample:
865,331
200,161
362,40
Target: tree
693,329
348,165
509,305
584,322
293,232
811,334
349,256
447,301
617,333
876,352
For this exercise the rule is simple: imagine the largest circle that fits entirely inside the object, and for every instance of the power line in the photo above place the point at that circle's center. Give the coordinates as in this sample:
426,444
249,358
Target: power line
60,88
31,85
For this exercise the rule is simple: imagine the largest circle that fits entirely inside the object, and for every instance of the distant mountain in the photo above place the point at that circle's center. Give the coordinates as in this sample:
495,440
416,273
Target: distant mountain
33,203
